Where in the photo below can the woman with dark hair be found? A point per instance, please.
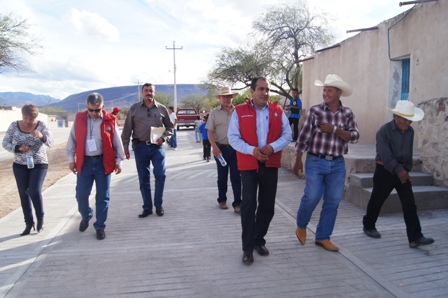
(26, 139)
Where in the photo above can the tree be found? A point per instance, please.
(281, 38)
(194, 101)
(15, 40)
(164, 98)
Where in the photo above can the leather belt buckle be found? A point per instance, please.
(329, 157)
(148, 142)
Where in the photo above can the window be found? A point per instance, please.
(405, 74)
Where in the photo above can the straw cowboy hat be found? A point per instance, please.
(333, 80)
(407, 110)
(226, 91)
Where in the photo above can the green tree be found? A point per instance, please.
(15, 42)
(194, 101)
(164, 98)
(281, 38)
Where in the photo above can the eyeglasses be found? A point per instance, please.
(94, 110)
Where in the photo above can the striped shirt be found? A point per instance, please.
(311, 139)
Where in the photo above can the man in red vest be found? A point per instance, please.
(258, 131)
(94, 150)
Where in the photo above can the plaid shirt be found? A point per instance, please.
(311, 139)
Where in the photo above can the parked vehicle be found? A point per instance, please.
(186, 117)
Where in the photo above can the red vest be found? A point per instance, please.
(247, 118)
(107, 135)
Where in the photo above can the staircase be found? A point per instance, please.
(427, 196)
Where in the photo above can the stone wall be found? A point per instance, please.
(433, 139)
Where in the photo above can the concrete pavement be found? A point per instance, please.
(195, 249)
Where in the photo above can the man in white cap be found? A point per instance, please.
(325, 134)
(394, 146)
(217, 127)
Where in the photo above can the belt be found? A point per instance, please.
(327, 157)
(225, 145)
(137, 141)
(93, 156)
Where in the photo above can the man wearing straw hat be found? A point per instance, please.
(394, 146)
(325, 134)
(217, 127)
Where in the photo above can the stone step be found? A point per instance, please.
(426, 198)
(365, 179)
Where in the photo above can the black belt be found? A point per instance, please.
(137, 141)
(327, 157)
(93, 156)
(225, 145)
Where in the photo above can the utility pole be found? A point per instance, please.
(138, 89)
(174, 56)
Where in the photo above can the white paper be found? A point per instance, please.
(156, 132)
(91, 145)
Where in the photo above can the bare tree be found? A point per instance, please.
(281, 38)
(15, 41)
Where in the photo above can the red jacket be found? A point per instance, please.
(247, 118)
(107, 134)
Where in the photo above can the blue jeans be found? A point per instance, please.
(29, 184)
(93, 171)
(173, 140)
(144, 156)
(197, 134)
(323, 178)
(229, 155)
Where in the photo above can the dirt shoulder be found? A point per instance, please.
(9, 197)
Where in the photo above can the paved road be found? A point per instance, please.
(195, 249)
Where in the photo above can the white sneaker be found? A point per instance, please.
(175, 149)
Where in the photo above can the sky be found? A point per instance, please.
(93, 44)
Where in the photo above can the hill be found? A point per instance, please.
(19, 99)
(125, 96)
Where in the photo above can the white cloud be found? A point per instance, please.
(92, 24)
(90, 45)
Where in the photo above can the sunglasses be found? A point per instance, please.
(94, 110)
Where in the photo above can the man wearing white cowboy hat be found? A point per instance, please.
(325, 134)
(217, 127)
(394, 145)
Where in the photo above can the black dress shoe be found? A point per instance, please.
(421, 241)
(83, 225)
(248, 258)
(145, 213)
(100, 234)
(262, 250)
(372, 233)
(160, 211)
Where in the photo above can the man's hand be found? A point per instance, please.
(404, 176)
(117, 169)
(126, 153)
(215, 150)
(267, 150)
(160, 141)
(260, 155)
(326, 128)
(72, 167)
(298, 168)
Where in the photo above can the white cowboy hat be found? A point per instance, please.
(333, 80)
(226, 91)
(407, 110)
